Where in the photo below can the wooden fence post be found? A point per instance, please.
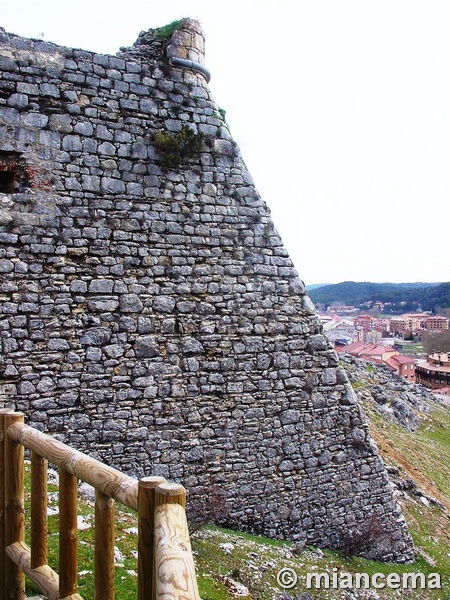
(39, 533)
(170, 493)
(104, 547)
(14, 506)
(68, 534)
(175, 575)
(146, 533)
(3, 411)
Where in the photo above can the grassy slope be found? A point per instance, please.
(423, 456)
(254, 562)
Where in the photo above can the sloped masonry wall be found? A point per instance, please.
(152, 316)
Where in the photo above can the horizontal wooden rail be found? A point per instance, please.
(44, 577)
(108, 480)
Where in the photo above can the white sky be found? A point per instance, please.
(341, 109)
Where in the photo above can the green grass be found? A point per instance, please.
(425, 451)
(254, 561)
(255, 564)
(413, 348)
(166, 31)
(356, 385)
(125, 573)
(423, 456)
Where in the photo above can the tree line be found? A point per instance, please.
(397, 297)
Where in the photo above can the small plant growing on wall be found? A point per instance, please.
(176, 149)
(167, 30)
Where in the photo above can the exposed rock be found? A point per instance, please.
(392, 396)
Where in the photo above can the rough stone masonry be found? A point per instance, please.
(149, 312)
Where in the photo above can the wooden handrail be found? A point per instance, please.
(165, 562)
(108, 480)
(44, 577)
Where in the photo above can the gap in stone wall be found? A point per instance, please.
(13, 174)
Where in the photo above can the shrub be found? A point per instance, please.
(360, 540)
(176, 149)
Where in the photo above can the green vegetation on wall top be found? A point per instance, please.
(166, 31)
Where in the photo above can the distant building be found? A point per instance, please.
(414, 322)
(398, 325)
(405, 324)
(342, 309)
(381, 325)
(329, 322)
(434, 372)
(337, 329)
(390, 341)
(404, 366)
(370, 329)
(436, 323)
(371, 352)
(363, 321)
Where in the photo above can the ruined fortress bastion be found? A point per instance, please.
(149, 312)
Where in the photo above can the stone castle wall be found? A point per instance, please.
(151, 316)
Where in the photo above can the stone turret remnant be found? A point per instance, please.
(149, 312)
(188, 42)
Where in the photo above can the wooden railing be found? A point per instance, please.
(165, 563)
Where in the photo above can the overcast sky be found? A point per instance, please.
(341, 109)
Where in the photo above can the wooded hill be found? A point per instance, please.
(396, 297)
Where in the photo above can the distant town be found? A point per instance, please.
(409, 344)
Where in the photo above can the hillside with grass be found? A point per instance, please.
(412, 431)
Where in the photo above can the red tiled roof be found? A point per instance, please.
(403, 360)
(398, 360)
(363, 349)
(377, 350)
(354, 347)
